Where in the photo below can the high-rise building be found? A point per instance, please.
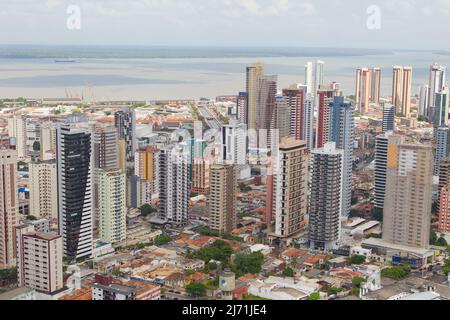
(254, 74)
(388, 117)
(442, 148)
(281, 118)
(444, 173)
(145, 163)
(309, 78)
(17, 131)
(441, 109)
(381, 157)
(174, 185)
(122, 154)
(444, 196)
(43, 189)
(222, 198)
(407, 203)
(436, 82)
(261, 90)
(112, 205)
(406, 92)
(242, 107)
(325, 204)
(201, 176)
(325, 96)
(33, 135)
(290, 187)
(397, 87)
(9, 207)
(401, 90)
(125, 123)
(105, 147)
(48, 141)
(39, 260)
(308, 122)
(342, 133)
(444, 210)
(267, 88)
(375, 85)
(323, 124)
(318, 75)
(74, 168)
(423, 101)
(234, 143)
(295, 98)
(363, 89)
(105, 155)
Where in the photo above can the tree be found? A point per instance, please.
(248, 263)
(8, 274)
(441, 242)
(314, 296)
(147, 209)
(244, 188)
(433, 238)
(31, 218)
(36, 146)
(446, 268)
(357, 259)
(377, 214)
(422, 118)
(205, 231)
(162, 239)
(358, 281)
(288, 272)
(188, 272)
(210, 266)
(219, 251)
(334, 290)
(396, 272)
(354, 292)
(355, 213)
(195, 289)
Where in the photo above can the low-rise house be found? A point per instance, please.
(21, 293)
(277, 288)
(145, 290)
(293, 254)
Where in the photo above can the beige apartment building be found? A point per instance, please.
(290, 192)
(9, 211)
(43, 189)
(39, 260)
(112, 205)
(222, 199)
(48, 141)
(407, 204)
(200, 176)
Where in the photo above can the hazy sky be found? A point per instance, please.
(405, 24)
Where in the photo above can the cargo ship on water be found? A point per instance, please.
(65, 61)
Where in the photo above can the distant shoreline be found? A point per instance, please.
(161, 52)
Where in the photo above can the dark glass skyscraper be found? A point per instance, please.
(74, 167)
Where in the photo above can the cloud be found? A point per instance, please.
(227, 22)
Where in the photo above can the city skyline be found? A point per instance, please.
(218, 171)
